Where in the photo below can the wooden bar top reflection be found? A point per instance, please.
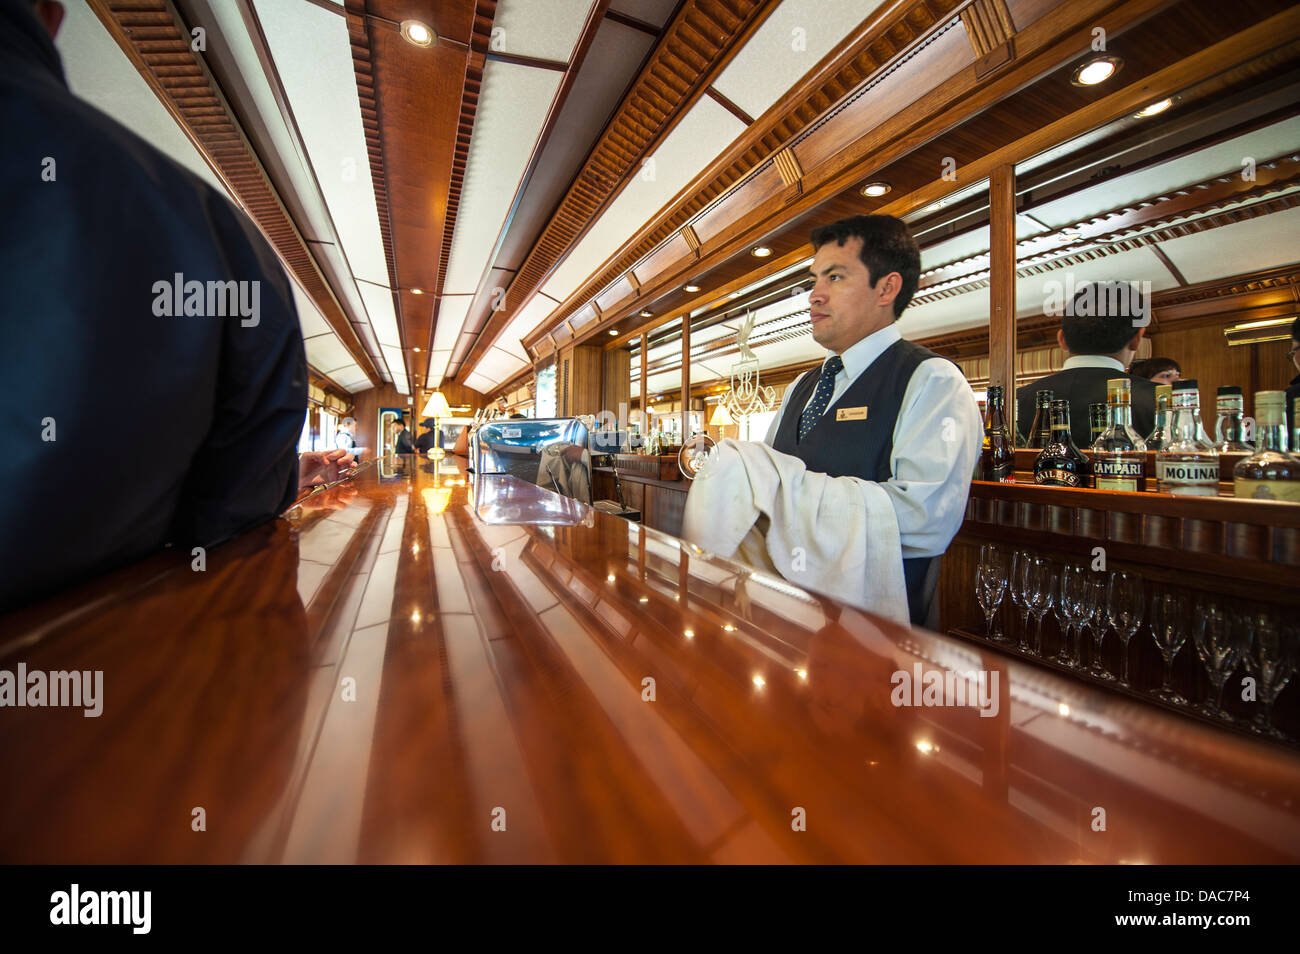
(413, 668)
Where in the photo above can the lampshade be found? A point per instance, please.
(436, 406)
(721, 417)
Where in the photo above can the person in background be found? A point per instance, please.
(345, 434)
(1293, 389)
(1156, 370)
(402, 438)
(208, 410)
(1100, 332)
(427, 440)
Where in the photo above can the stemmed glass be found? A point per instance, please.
(1097, 603)
(1040, 594)
(1272, 660)
(1073, 608)
(991, 585)
(1169, 627)
(1220, 642)
(1124, 603)
(1021, 593)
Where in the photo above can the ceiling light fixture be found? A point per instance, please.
(761, 251)
(734, 295)
(613, 331)
(417, 291)
(416, 350)
(874, 190)
(691, 288)
(417, 33)
(1155, 108)
(646, 314)
(1096, 71)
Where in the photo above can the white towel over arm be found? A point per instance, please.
(832, 535)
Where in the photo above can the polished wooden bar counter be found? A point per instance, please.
(413, 667)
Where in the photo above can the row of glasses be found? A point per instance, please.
(1225, 635)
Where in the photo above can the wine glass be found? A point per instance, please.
(695, 456)
(1073, 607)
(1021, 593)
(1097, 604)
(1169, 627)
(1220, 640)
(1272, 660)
(1124, 603)
(991, 585)
(1040, 587)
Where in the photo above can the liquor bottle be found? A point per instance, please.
(1041, 429)
(1118, 454)
(1270, 473)
(998, 458)
(1228, 429)
(1159, 435)
(1096, 421)
(1061, 463)
(1186, 465)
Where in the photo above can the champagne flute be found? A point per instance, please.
(991, 585)
(1097, 603)
(1021, 593)
(1041, 587)
(1073, 600)
(1219, 643)
(1124, 602)
(1272, 660)
(1169, 627)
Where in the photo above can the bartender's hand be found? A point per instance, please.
(324, 467)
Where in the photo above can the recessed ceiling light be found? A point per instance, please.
(613, 331)
(876, 189)
(415, 349)
(761, 251)
(734, 295)
(1155, 108)
(935, 206)
(417, 291)
(417, 33)
(646, 314)
(691, 288)
(1096, 71)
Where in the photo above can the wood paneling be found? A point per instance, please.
(616, 386)
(1002, 285)
(578, 380)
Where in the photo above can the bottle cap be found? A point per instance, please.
(995, 391)
(1044, 396)
(1118, 390)
(1185, 384)
(1229, 389)
(1273, 399)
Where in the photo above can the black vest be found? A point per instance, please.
(860, 448)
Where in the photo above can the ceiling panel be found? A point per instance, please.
(1264, 242)
(326, 354)
(309, 317)
(512, 108)
(654, 12)
(499, 365)
(394, 358)
(437, 367)
(703, 132)
(313, 56)
(451, 315)
(351, 377)
(480, 382)
(792, 40)
(544, 29)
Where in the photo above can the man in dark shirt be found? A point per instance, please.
(427, 440)
(1100, 331)
(402, 438)
(132, 289)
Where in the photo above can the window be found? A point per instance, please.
(304, 439)
(545, 406)
(325, 436)
(753, 427)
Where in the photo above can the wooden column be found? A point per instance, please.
(686, 377)
(1002, 285)
(645, 390)
(616, 386)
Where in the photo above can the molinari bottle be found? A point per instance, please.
(1096, 421)
(998, 458)
(1186, 465)
(1118, 454)
(1061, 464)
(1041, 429)
(1229, 437)
(1270, 473)
(1160, 433)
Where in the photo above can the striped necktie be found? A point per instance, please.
(821, 398)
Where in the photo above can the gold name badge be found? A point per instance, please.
(850, 414)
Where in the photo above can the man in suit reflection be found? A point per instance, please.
(427, 440)
(1101, 328)
(402, 438)
(210, 406)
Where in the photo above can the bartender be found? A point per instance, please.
(863, 477)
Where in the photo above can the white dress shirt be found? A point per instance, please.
(937, 441)
(1092, 361)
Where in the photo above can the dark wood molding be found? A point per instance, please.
(729, 106)
(630, 21)
(1169, 266)
(530, 61)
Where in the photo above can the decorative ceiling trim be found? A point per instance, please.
(158, 43)
(690, 52)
